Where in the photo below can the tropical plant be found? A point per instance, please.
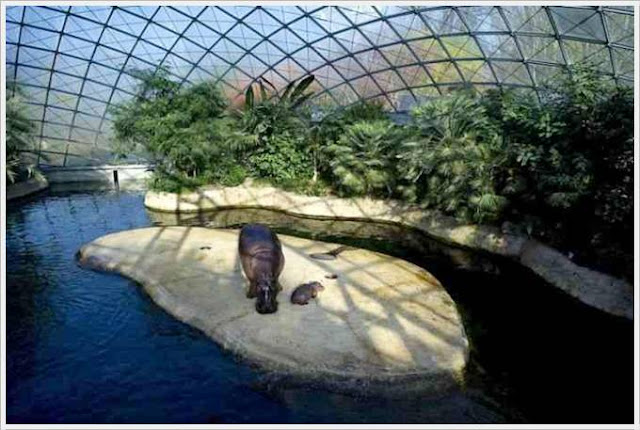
(272, 113)
(19, 140)
(282, 159)
(184, 130)
(453, 162)
(569, 161)
(280, 129)
(331, 126)
(362, 160)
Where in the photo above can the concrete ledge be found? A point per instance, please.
(596, 289)
(382, 325)
(28, 187)
(105, 173)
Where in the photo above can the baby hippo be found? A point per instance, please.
(305, 292)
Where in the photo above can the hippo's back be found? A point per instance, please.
(258, 237)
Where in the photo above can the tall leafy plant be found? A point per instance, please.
(332, 126)
(184, 130)
(272, 113)
(362, 160)
(453, 162)
(19, 138)
(280, 129)
(569, 163)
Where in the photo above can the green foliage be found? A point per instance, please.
(332, 126)
(559, 167)
(280, 130)
(273, 114)
(452, 164)
(184, 131)
(362, 160)
(19, 138)
(282, 159)
(539, 154)
(333, 123)
(226, 174)
(570, 162)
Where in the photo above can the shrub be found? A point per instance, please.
(273, 113)
(362, 160)
(453, 163)
(280, 130)
(332, 126)
(19, 139)
(183, 130)
(283, 158)
(570, 163)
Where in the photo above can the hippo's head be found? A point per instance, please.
(266, 291)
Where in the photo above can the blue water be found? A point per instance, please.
(89, 347)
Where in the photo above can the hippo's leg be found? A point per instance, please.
(251, 292)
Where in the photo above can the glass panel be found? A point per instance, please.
(172, 20)
(66, 83)
(44, 17)
(379, 33)
(483, 19)
(389, 80)
(597, 55)
(399, 54)
(428, 50)
(415, 76)
(511, 73)
(443, 72)
(39, 38)
(476, 71)
(461, 47)
(543, 75)
(14, 13)
(386, 51)
(77, 47)
(531, 19)
(542, 49)
(410, 27)
(623, 62)
(33, 76)
(444, 21)
(620, 28)
(118, 40)
(578, 22)
(83, 28)
(80, 135)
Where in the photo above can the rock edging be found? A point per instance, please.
(602, 291)
(26, 188)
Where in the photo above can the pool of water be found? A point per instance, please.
(89, 347)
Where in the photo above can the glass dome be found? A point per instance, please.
(74, 62)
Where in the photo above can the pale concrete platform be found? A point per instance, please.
(600, 290)
(383, 323)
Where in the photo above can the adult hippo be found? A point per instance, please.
(262, 261)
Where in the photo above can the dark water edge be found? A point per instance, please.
(88, 347)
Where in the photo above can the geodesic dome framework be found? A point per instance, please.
(75, 61)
